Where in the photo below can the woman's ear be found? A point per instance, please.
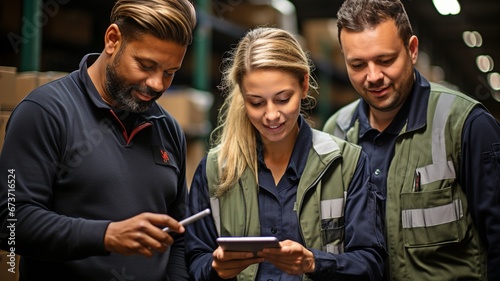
(305, 86)
(112, 39)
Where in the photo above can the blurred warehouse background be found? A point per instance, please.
(459, 50)
(41, 40)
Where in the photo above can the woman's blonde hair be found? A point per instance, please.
(171, 20)
(235, 137)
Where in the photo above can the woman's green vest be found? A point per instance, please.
(430, 234)
(331, 163)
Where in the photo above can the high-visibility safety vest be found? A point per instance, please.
(331, 163)
(430, 234)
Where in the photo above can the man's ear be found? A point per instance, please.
(413, 48)
(112, 39)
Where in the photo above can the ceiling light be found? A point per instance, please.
(485, 63)
(447, 7)
(494, 80)
(479, 38)
(472, 39)
(496, 95)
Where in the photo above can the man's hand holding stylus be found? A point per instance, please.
(141, 235)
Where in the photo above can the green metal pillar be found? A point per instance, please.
(32, 22)
(202, 45)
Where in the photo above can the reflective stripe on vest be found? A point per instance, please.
(344, 119)
(432, 216)
(335, 249)
(323, 143)
(214, 204)
(440, 168)
(334, 209)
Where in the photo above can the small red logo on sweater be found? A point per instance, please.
(164, 155)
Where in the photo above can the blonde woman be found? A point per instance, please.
(270, 174)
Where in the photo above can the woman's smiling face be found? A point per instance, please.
(272, 102)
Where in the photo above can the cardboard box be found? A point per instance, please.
(4, 117)
(276, 13)
(8, 267)
(196, 150)
(15, 86)
(49, 76)
(7, 87)
(321, 36)
(249, 15)
(190, 108)
(25, 83)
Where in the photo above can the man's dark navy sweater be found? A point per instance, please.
(76, 170)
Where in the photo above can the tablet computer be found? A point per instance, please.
(247, 244)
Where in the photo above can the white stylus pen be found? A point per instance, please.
(191, 219)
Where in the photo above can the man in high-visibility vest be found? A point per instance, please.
(434, 151)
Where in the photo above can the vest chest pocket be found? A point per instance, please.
(332, 225)
(432, 218)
